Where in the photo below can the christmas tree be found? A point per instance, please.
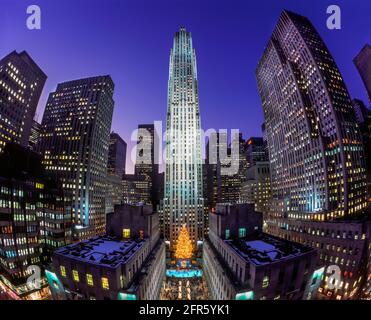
(184, 245)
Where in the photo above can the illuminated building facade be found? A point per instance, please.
(183, 202)
(242, 263)
(33, 221)
(135, 189)
(226, 169)
(363, 64)
(74, 143)
(21, 84)
(317, 162)
(256, 187)
(368, 156)
(111, 267)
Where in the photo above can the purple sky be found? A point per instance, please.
(131, 41)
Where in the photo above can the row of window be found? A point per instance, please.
(89, 278)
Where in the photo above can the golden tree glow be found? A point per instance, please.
(184, 247)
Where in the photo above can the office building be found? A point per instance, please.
(317, 162)
(21, 84)
(242, 263)
(256, 188)
(126, 264)
(33, 222)
(363, 64)
(146, 166)
(74, 143)
(115, 171)
(116, 155)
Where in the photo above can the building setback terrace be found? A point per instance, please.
(265, 249)
(102, 250)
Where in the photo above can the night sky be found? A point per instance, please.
(131, 41)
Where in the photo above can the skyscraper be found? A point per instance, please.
(115, 171)
(183, 202)
(33, 223)
(74, 143)
(255, 150)
(21, 84)
(363, 65)
(116, 155)
(146, 166)
(317, 162)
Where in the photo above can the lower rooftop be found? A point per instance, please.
(102, 250)
(263, 248)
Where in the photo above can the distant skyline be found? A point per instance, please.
(131, 41)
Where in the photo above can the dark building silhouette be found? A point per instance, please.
(116, 155)
(363, 64)
(115, 171)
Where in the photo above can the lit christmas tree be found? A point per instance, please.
(184, 247)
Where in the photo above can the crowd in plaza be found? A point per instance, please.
(184, 289)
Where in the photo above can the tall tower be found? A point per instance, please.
(317, 162)
(183, 201)
(315, 147)
(75, 142)
(21, 84)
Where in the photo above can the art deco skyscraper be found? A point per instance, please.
(21, 84)
(74, 143)
(317, 163)
(183, 202)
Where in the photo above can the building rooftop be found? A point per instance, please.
(102, 250)
(263, 249)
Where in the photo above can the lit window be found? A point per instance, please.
(242, 232)
(141, 234)
(63, 271)
(89, 279)
(126, 233)
(227, 233)
(39, 186)
(105, 284)
(265, 282)
(75, 275)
